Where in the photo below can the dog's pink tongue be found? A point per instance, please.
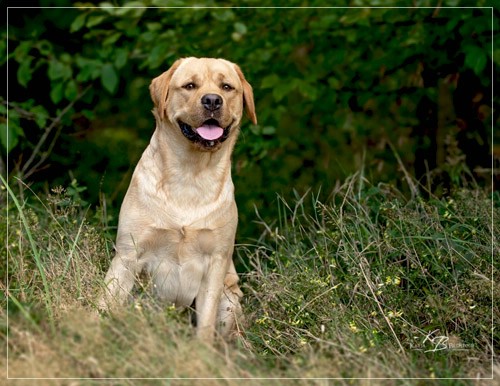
(210, 132)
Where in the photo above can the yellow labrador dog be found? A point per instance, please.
(178, 219)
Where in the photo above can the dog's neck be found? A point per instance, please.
(184, 157)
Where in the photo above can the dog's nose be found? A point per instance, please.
(211, 102)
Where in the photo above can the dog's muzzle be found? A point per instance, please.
(208, 135)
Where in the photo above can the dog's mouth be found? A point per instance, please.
(209, 134)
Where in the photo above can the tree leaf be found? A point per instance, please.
(89, 68)
(45, 47)
(89, 114)
(71, 90)
(475, 58)
(94, 20)
(158, 54)
(3, 136)
(41, 116)
(112, 38)
(270, 81)
(58, 70)
(268, 130)
(240, 28)
(334, 83)
(9, 135)
(121, 58)
(223, 15)
(56, 93)
(107, 7)
(22, 50)
(24, 72)
(109, 78)
(78, 23)
(282, 89)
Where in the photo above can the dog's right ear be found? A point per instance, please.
(159, 90)
(247, 95)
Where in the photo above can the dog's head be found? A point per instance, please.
(203, 100)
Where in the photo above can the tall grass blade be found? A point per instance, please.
(35, 252)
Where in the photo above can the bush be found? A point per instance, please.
(334, 89)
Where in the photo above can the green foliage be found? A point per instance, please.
(333, 88)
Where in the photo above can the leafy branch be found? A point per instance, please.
(27, 169)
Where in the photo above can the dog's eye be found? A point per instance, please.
(227, 87)
(189, 86)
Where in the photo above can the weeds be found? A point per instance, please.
(370, 271)
(366, 284)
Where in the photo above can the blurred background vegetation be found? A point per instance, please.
(337, 90)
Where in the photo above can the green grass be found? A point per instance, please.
(366, 284)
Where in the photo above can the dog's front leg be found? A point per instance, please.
(119, 280)
(230, 313)
(208, 299)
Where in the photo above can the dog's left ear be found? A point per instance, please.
(159, 89)
(247, 96)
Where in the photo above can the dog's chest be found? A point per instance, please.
(180, 244)
(177, 259)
